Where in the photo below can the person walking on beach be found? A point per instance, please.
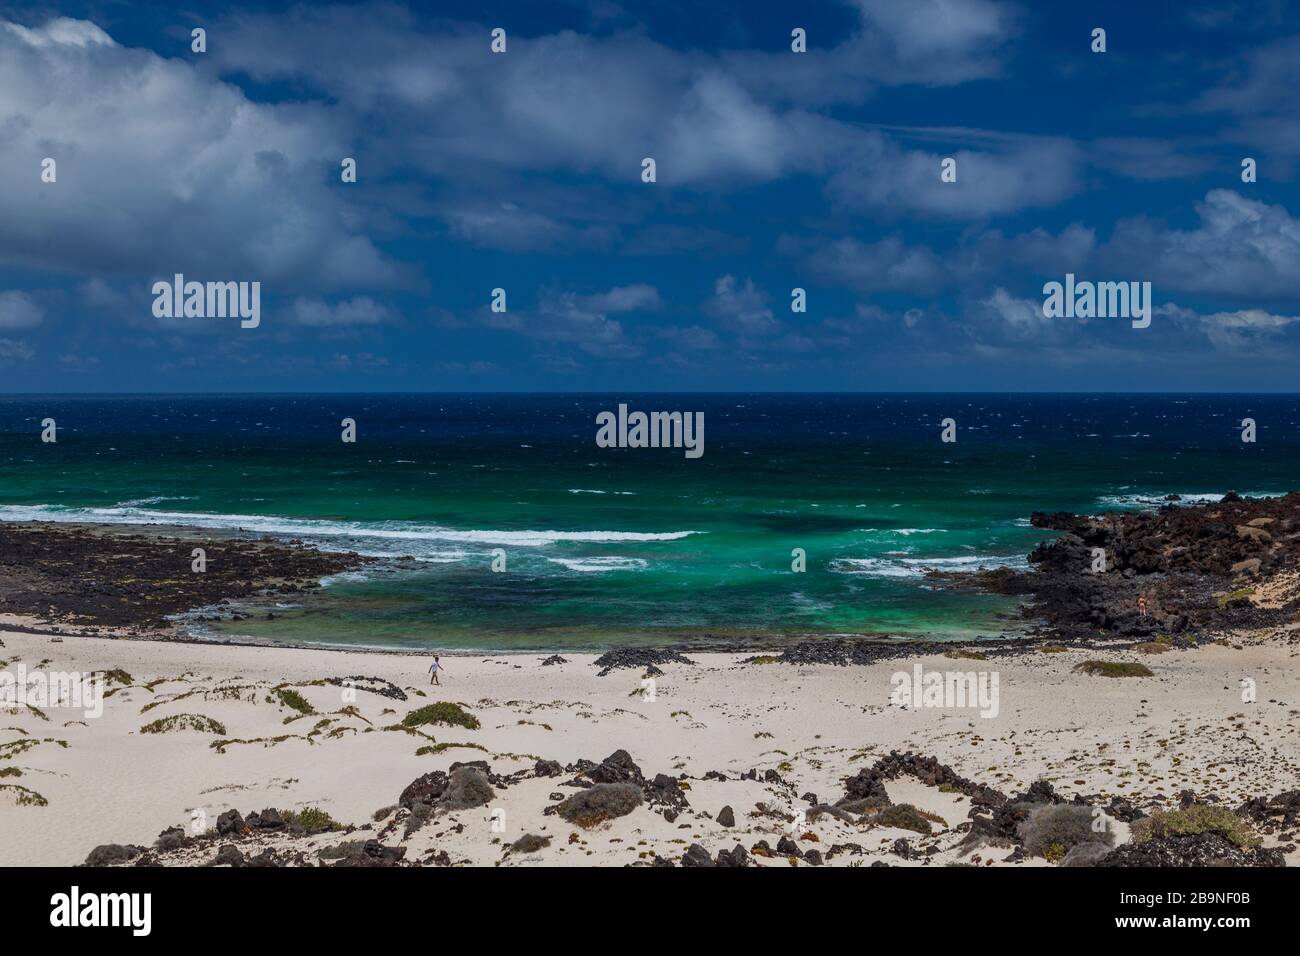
(433, 669)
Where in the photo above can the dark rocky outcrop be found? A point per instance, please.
(1195, 849)
(371, 853)
(112, 854)
(123, 578)
(1194, 566)
(638, 657)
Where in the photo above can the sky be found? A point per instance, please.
(522, 171)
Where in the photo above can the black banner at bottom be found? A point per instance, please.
(337, 905)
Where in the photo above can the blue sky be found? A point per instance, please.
(775, 170)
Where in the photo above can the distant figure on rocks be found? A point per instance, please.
(1142, 604)
(433, 669)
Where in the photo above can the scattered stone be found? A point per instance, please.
(173, 838)
(372, 853)
(228, 855)
(733, 858)
(696, 855)
(112, 854)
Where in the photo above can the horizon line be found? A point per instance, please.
(635, 391)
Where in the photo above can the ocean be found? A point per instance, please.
(613, 546)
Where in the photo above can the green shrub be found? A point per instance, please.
(904, 816)
(312, 819)
(165, 725)
(1198, 818)
(439, 748)
(601, 802)
(290, 698)
(1053, 830)
(444, 712)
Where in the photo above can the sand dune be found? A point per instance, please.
(105, 781)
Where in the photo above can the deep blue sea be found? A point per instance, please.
(607, 546)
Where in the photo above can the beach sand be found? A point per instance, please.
(1144, 739)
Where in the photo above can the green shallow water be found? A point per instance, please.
(611, 546)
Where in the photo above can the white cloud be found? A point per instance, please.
(1242, 248)
(742, 308)
(598, 104)
(164, 168)
(18, 310)
(13, 351)
(1240, 330)
(61, 31)
(582, 320)
(359, 310)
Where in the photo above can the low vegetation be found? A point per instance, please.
(443, 712)
(1114, 669)
(288, 697)
(312, 819)
(167, 725)
(22, 796)
(601, 802)
(1053, 830)
(1198, 818)
(906, 817)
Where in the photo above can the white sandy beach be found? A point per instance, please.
(1140, 738)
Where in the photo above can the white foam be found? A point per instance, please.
(599, 565)
(376, 539)
(1157, 500)
(918, 567)
(872, 568)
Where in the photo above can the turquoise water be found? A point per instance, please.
(604, 546)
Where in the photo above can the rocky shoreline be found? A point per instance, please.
(1200, 570)
(131, 581)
